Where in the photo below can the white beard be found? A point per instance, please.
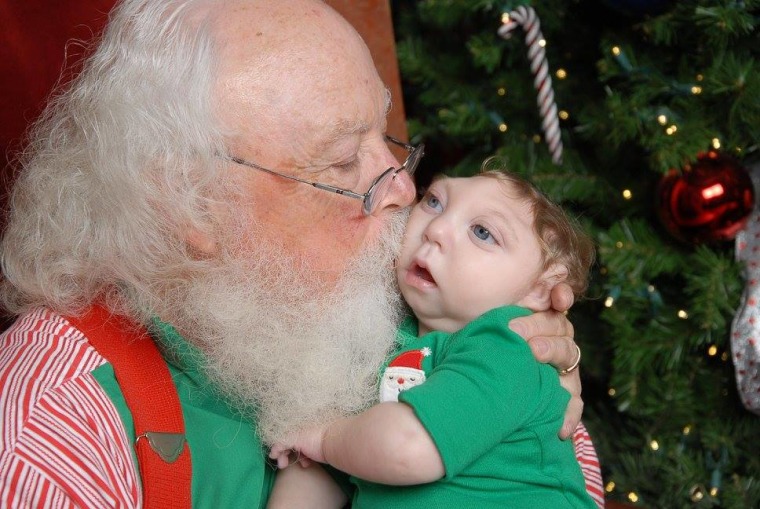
(282, 346)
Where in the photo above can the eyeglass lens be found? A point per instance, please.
(383, 184)
(379, 190)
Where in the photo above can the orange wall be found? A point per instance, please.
(372, 19)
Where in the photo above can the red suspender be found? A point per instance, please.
(145, 381)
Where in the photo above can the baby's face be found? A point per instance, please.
(469, 247)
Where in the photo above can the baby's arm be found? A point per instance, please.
(386, 444)
(306, 487)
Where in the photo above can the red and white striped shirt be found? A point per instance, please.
(592, 473)
(62, 442)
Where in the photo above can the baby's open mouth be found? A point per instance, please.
(422, 273)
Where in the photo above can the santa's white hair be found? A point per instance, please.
(121, 165)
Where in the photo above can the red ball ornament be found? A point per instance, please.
(707, 201)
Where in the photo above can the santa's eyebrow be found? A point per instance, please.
(388, 101)
(341, 128)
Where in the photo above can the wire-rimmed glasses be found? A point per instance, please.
(377, 190)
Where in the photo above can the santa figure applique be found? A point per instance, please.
(402, 373)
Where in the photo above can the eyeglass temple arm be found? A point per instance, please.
(334, 189)
(325, 187)
(400, 143)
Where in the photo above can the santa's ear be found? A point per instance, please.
(539, 296)
(201, 242)
(203, 238)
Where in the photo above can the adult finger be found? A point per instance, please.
(562, 297)
(543, 324)
(550, 336)
(571, 382)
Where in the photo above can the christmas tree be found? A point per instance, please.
(658, 104)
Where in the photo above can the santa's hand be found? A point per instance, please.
(550, 336)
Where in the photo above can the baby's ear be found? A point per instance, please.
(539, 296)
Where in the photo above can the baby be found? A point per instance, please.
(466, 414)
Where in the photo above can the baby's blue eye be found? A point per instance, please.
(432, 201)
(481, 232)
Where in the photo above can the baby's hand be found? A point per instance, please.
(302, 447)
(285, 456)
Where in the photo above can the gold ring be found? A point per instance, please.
(575, 364)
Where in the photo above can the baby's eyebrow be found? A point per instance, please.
(503, 222)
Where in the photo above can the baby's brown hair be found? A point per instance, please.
(562, 239)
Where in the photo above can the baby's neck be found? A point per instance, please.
(422, 329)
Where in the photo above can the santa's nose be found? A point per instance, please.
(400, 380)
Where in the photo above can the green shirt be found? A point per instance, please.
(493, 412)
(229, 467)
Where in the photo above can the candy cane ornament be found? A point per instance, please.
(526, 17)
